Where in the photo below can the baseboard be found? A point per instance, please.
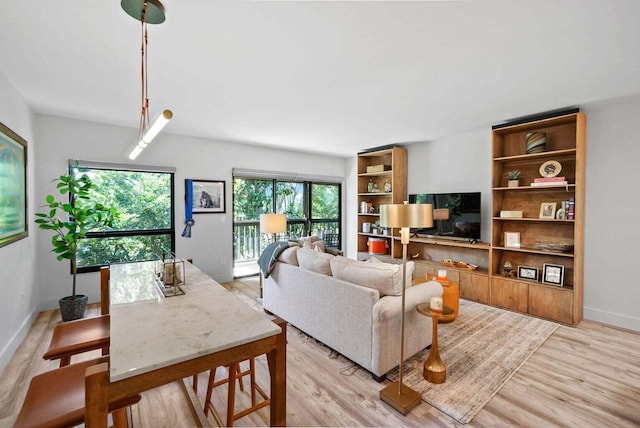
(17, 339)
(612, 318)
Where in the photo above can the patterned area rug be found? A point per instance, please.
(481, 350)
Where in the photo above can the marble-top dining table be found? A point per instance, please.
(156, 340)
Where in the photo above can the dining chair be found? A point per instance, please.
(235, 373)
(57, 399)
(83, 335)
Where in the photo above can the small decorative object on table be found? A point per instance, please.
(436, 304)
(170, 274)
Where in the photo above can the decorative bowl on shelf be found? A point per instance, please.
(459, 264)
(561, 247)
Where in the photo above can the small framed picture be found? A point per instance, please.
(528, 273)
(548, 210)
(512, 239)
(206, 196)
(553, 274)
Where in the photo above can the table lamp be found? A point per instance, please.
(405, 216)
(272, 224)
(441, 214)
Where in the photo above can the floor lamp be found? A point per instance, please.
(405, 216)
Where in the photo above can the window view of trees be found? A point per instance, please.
(311, 208)
(145, 226)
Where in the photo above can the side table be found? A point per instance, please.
(434, 370)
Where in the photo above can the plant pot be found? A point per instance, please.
(73, 307)
(513, 183)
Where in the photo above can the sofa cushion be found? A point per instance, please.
(290, 255)
(315, 245)
(410, 268)
(384, 277)
(315, 261)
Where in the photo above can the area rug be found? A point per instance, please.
(481, 350)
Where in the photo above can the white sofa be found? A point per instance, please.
(352, 319)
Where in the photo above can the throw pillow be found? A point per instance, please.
(314, 261)
(290, 255)
(316, 245)
(384, 277)
(410, 268)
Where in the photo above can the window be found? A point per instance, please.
(144, 197)
(312, 208)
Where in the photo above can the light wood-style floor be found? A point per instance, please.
(587, 376)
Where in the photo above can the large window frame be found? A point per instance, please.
(84, 166)
(248, 242)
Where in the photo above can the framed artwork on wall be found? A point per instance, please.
(208, 196)
(13, 187)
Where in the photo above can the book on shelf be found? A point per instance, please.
(548, 179)
(549, 183)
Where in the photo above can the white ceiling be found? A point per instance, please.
(334, 77)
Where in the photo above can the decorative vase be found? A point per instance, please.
(513, 183)
(73, 307)
(536, 142)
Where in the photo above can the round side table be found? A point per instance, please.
(434, 370)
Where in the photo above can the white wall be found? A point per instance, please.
(211, 243)
(612, 230)
(19, 301)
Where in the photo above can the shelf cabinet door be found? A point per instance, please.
(510, 294)
(474, 287)
(550, 303)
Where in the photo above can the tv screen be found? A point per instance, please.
(455, 215)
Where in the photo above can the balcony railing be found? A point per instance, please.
(248, 242)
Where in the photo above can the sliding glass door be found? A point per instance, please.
(312, 208)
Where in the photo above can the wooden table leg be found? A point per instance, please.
(434, 370)
(96, 398)
(277, 360)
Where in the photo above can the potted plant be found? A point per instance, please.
(514, 177)
(71, 220)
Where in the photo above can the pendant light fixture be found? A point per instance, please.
(147, 12)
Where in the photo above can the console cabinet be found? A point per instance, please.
(555, 297)
(387, 184)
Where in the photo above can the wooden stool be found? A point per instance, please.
(83, 335)
(56, 398)
(235, 373)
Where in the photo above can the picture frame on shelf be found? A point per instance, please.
(208, 196)
(548, 210)
(553, 274)
(527, 272)
(13, 198)
(512, 239)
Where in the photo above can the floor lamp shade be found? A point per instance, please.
(273, 223)
(405, 216)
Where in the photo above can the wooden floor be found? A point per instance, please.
(581, 377)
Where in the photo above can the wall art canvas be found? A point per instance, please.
(13, 187)
(208, 196)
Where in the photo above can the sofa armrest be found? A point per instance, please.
(389, 307)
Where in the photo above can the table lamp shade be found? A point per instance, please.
(441, 213)
(406, 215)
(273, 223)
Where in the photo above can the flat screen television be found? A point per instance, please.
(455, 215)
